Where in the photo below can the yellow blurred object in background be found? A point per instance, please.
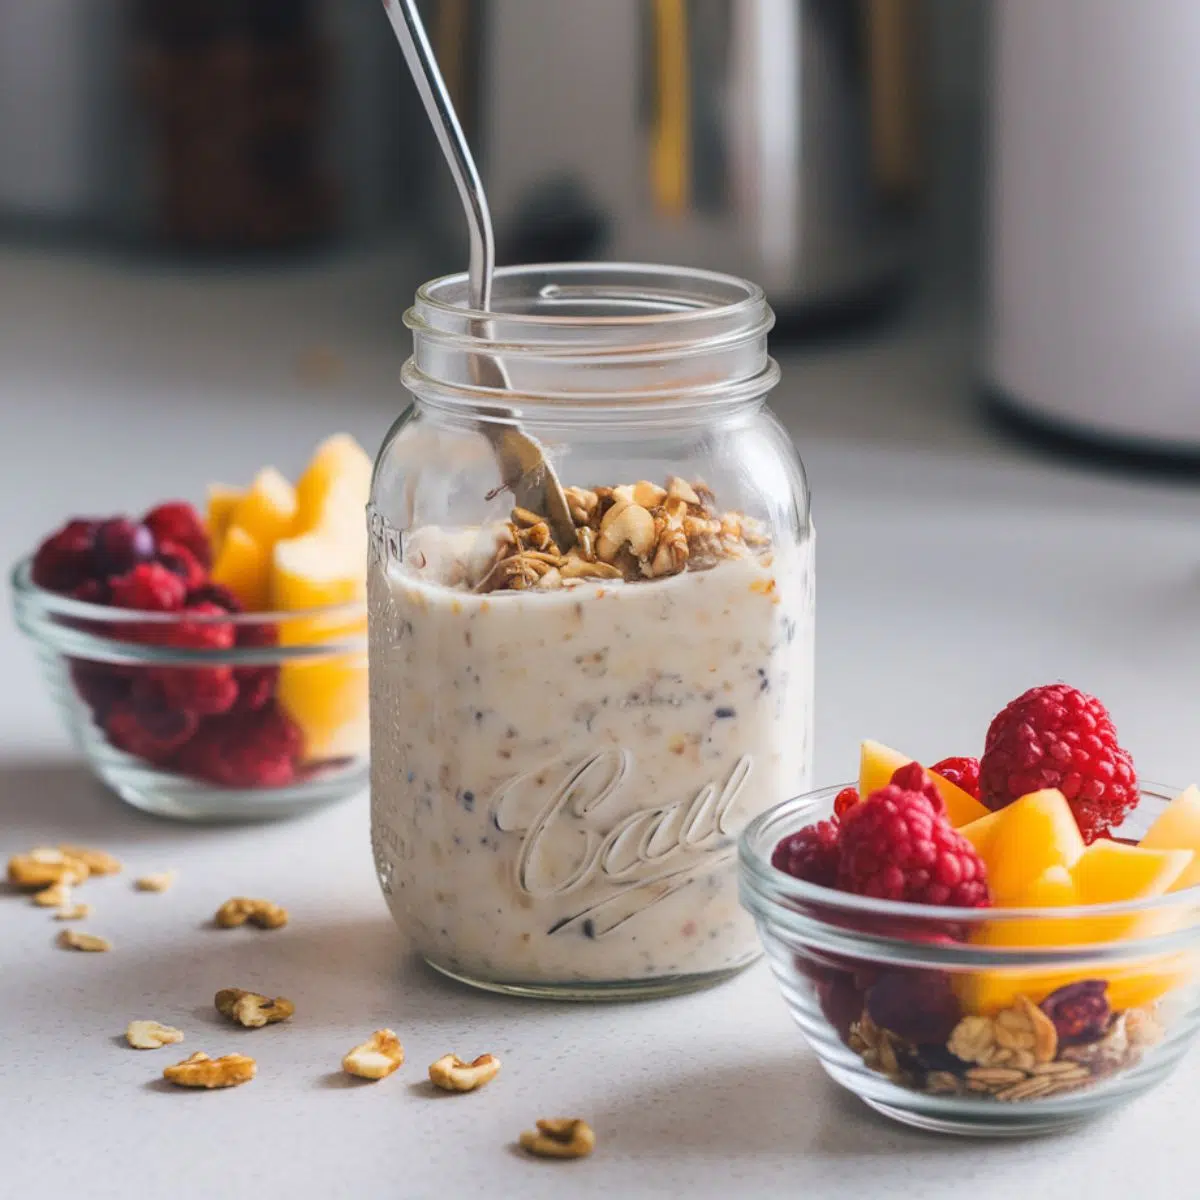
(243, 565)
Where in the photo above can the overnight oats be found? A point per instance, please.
(567, 739)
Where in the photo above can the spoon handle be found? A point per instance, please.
(418, 53)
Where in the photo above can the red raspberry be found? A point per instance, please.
(963, 772)
(178, 559)
(93, 591)
(897, 846)
(201, 690)
(149, 587)
(1058, 737)
(178, 521)
(920, 1006)
(143, 727)
(66, 558)
(100, 685)
(810, 854)
(913, 777)
(244, 749)
(256, 685)
(845, 800)
(215, 593)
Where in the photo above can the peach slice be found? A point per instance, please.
(1020, 842)
(335, 486)
(222, 500)
(1178, 828)
(244, 566)
(267, 511)
(878, 763)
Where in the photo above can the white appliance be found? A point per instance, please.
(1094, 239)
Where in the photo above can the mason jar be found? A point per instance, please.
(571, 723)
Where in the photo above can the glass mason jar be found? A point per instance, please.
(567, 741)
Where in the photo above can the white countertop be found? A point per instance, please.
(954, 572)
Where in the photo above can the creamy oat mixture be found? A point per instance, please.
(560, 771)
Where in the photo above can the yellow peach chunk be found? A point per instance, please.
(222, 500)
(327, 698)
(1109, 872)
(335, 486)
(1023, 840)
(244, 567)
(878, 763)
(1178, 828)
(267, 511)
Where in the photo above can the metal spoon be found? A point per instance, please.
(524, 467)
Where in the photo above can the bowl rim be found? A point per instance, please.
(769, 883)
(56, 604)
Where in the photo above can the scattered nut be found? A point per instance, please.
(1045, 1036)
(98, 862)
(200, 1071)
(632, 526)
(451, 1074)
(241, 909)
(376, 1058)
(74, 912)
(55, 896)
(559, 1137)
(72, 939)
(680, 489)
(44, 866)
(150, 1035)
(251, 1010)
(155, 883)
(647, 494)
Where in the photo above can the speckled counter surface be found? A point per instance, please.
(953, 572)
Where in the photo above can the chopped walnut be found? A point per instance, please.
(57, 895)
(155, 883)
(251, 1010)
(451, 1074)
(201, 1071)
(44, 866)
(376, 1058)
(635, 531)
(72, 939)
(151, 1035)
(241, 909)
(559, 1137)
(98, 862)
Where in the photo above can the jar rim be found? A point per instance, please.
(676, 307)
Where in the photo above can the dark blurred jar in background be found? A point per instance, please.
(234, 103)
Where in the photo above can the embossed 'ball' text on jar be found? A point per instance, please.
(567, 741)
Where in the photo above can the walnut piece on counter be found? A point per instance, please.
(240, 909)
(376, 1058)
(559, 1137)
(251, 1010)
(201, 1071)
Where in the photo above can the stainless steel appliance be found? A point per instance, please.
(774, 139)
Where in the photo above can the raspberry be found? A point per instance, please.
(93, 591)
(201, 690)
(1056, 736)
(178, 521)
(66, 558)
(918, 1005)
(121, 545)
(256, 685)
(244, 749)
(101, 686)
(143, 727)
(913, 777)
(811, 854)
(149, 587)
(179, 560)
(846, 799)
(897, 846)
(215, 593)
(963, 772)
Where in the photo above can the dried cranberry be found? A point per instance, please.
(920, 1006)
(67, 557)
(841, 1001)
(121, 545)
(1080, 1011)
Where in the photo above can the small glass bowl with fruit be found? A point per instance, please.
(215, 668)
(1000, 946)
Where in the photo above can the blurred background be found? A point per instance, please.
(975, 221)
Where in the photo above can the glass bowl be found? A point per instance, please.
(155, 720)
(997, 1022)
